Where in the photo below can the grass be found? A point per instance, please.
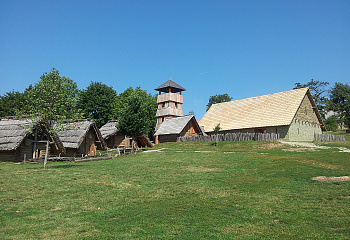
(238, 190)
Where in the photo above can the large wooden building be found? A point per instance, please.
(292, 114)
(17, 144)
(169, 101)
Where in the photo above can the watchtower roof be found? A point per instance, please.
(170, 84)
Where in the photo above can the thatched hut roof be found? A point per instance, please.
(74, 132)
(109, 129)
(176, 125)
(13, 131)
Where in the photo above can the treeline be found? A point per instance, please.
(333, 103)
(57, 98)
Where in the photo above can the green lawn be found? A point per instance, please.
(238, 190)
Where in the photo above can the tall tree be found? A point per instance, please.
(318, 91)
(340, 101)
(11, 103)
(133, 120)
(149, 105)
(218, 98)
(97, 102)
(53, 98)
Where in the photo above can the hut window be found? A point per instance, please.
(175, 105)
(163, 105)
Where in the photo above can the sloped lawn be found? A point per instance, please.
(246, 190)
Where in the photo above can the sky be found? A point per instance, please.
(242, 48)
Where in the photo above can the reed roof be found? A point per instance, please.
(276, 109)
(174, 125)
(13, 131)
(109, 129)
(74, 132)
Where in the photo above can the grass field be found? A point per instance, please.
(238, 190)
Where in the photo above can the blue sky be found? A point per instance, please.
(243, 48)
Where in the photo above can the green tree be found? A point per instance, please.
(11, 103)
(218, 98)
(96, 102)
(318, 91)
(133, 120)
(331, 123)
(52, 98)
(340, 101)
(216, 130)
(149, 104)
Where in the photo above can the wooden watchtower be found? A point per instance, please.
(169, 101)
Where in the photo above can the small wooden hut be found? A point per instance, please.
(79, 136)
(17, 144)
(115, 139)
(173, 128)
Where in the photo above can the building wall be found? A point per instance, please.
(302, 131)
(168, 138)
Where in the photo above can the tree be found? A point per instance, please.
(150, 106)
(218, 98)
(52, 98)
(133, 120)
(216, 130)
(11, 103)
(340, 101)
(331, 123)
(96, 102)
(318, 91)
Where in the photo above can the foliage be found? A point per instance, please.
(120, 102)
(340, 101)
(228, 192)
(148, 108)
(318, 92)
(96, 102)
(331, 123)
(216, 130)
(53, 98)
(11, 103)
(218, 98)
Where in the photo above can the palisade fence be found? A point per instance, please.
(329, 138)
(272, 137)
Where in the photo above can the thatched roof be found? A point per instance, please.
(170, 84)
(175, 125)
(74, 132)
(276, 109)
(13, 131)
(109, 129)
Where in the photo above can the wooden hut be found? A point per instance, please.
(173, 128)
(292, 114)
(114, 139)
(78, 137)
(17, 144)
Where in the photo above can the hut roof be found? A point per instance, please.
(276, 109)
(170, 83)
(109, 129)
(174, 125)
(73, 133)
(13, 131)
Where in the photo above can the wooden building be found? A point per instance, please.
(292, 114)
(169, 101)
(17, 144)
(173, 128)
(114, 139)
(78, 137)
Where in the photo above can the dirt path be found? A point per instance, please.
(313, 146)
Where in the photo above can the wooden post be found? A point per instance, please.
(24, 157)
(47, 151)
(34, 147)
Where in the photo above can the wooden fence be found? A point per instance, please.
(329, 138)
(272, 137)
